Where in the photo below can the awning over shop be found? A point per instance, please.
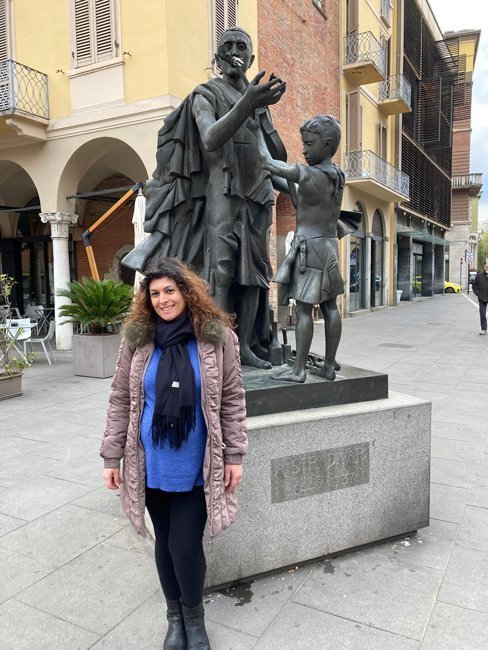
(423, 236)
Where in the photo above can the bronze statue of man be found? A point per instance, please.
(210, 201)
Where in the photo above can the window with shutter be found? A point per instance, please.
(224, 16)
(353, 122)
(94, 31)
(4, 31)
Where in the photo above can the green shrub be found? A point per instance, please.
(98, 305)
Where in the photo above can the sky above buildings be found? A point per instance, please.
(452, 15)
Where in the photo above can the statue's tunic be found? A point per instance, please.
(212, 210)
(310, 272)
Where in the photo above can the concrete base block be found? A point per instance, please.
(326, 480)
(95, 356)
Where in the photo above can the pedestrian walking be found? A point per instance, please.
(480, 288)
(176, 417)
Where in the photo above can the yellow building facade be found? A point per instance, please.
(374, 95)
(84, 88)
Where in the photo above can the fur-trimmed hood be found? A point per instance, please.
(138, 333)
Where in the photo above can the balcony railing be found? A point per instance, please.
(396, 87)
(368, 165)
(23, 90)
(364, 47)
(467, 180)
(386, 11)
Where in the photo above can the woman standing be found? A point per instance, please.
(177, 417)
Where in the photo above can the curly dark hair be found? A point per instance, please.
(200, 305)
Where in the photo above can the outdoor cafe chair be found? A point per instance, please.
(19, 329)
(43, 341)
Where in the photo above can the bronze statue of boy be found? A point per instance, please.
(310, 272)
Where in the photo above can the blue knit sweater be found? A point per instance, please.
(166, 468)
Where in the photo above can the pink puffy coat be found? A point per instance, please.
(223, 405)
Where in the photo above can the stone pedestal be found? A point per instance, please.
(324, 480)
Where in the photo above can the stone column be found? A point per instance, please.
(428, 270)
(367, 271)
(60, 223)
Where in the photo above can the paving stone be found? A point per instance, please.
(454, 628)
(25, 628)
(8, 523)
(377, 591)
(447, 503)
(479, 492)
(252, 606)
(74, 447)
(302, 628)
(430, 547)
(87, 470)
(469, 452)
(62, 535)
(13, 446)
(465, 582)
(38, 497)
(456, 473)
(18, 572)
(128, 539)
(473, 532)
(96, 590)
(103, 500)
(22, 469)
(455, 431)
(483, 469)
(144, 628)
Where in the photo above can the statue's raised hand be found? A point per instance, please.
(265, 94)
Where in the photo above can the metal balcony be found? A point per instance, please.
(23, 91)
(395, 95)
(386, 11)
(375, 176)
(364, 59)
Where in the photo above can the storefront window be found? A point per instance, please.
(357, 269)
(377, 252)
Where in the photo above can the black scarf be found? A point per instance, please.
(174, 410)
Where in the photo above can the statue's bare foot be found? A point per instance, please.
(327, 371)
(248, 358)
(291, 375)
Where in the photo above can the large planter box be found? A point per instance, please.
(95, 356)
(10, 386)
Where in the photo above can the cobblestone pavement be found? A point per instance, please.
(74, 575)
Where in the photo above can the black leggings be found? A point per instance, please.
(179, 519)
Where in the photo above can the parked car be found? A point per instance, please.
(452, 287)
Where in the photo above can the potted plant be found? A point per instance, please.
(99, 306)
(12, 365)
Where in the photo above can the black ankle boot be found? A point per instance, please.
(195, 628)
(176, 635)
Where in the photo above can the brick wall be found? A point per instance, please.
(461, 143)
(116, 232)
(300, 45)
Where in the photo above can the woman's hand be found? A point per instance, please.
(232, 477)
(111, 476)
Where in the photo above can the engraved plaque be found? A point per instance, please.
(293, 477)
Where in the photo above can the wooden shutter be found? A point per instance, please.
(225, 16)
(353, 135)
(352, 17)
(83, 42)
(104, 30)
(4, 49)
(94, 31)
